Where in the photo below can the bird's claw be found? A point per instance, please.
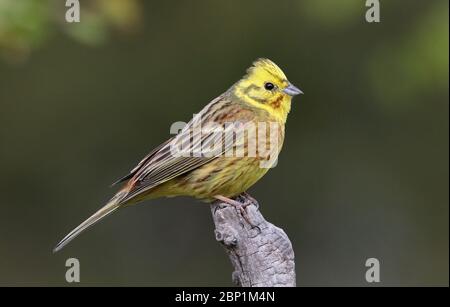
(241, 206)
(250, 200)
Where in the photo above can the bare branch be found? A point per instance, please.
(262, 255)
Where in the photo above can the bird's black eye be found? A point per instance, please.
(269, 86)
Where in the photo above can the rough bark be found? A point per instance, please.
(261, 253)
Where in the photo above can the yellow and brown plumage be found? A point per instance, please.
(262, 96)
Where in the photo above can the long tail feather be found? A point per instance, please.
(109, 208)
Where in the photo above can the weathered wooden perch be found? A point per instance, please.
(262, 256)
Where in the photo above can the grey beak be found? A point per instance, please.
(292, 90)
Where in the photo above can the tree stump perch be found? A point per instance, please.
(261, 253)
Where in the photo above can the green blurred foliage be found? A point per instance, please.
(25, 25)
(18, 36)
(363, 172)
(332, 13)
(417, 63)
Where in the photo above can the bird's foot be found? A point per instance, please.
(241, 206)
(250, 200)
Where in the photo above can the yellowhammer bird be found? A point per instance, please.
(226, 148)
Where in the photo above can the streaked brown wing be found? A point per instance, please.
(162, 165)
(140, 164)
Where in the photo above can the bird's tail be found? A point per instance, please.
(109, 208)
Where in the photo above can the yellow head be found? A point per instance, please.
(266, 87)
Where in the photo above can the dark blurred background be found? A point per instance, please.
(364, 171)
